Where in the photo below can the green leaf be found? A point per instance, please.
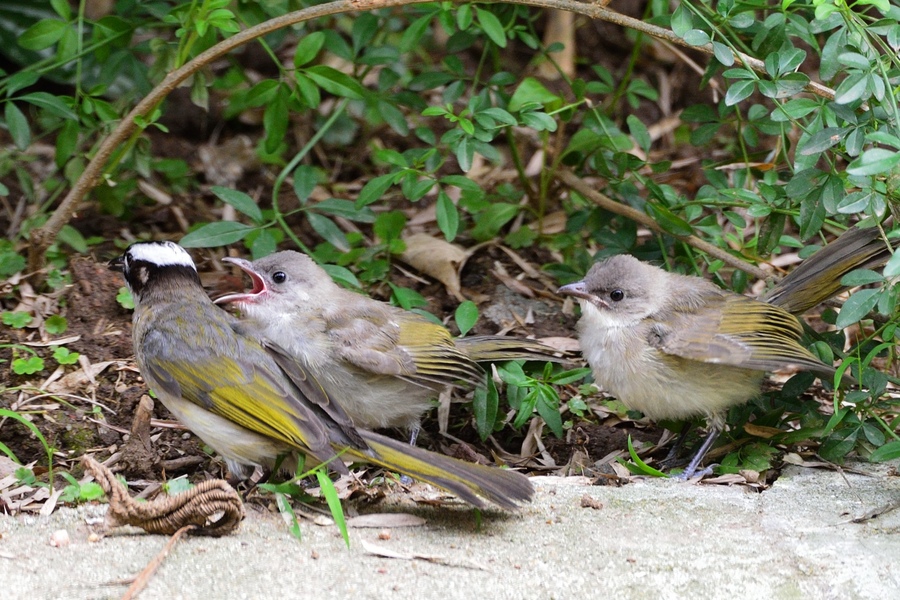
(738, 91)
(857, 306)
(681, 21)
(412, 36)
(822, 140)
(874, 162)
(18, 126)
(466, 316)
(531, 91)
(853, 88)
(62, 8)
(491, 26)
(334, 502)
(889, 451)
(862, 277)
(447, 216)
(240, 201)
(892, 268)
(52, 104)
(334, 82)
(328, 231)
(668, 220)
(548, 407)
(71, 236)
(389, 225)
(639, 132)
(308, 48)
(305, 180)
(56, 324)
(485, 403)
(275, 120)
(28, 366)
(16, 320)
(64, 356)
(125, 299)
(723, 54)
(374, 189)
(216, 234)
(345, 208)
(696, 37)
(42, 34)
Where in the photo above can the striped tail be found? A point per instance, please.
(495, 348)
(469, 481)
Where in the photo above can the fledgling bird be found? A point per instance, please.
(249, 406)
(675, 347)
(384, 364)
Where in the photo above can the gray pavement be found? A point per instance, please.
(648, 539)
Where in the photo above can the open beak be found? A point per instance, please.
(259, 286)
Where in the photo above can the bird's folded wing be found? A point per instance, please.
(313, 391)
(250, 395)
(406, 346)
(735, 330)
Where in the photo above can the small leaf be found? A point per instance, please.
(862, 277)
(447, 216)
(42, 34)
(466, 316)
(738, 91)
(723, 54)
(334, 82)
(874, 162)
(892, 268)
(308, 47)
(240, 201)
(696, 37)
(374, 189)
(305, 180)
(328, 230)
(16, 320)
(531, 91)
(857, 306)
(56, 324)
(889, 451)
(485, 403)
(18, 127)
(491, 26)
(212, 235)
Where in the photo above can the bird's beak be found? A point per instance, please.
(259, 285)
(577, 289)
(117, 264)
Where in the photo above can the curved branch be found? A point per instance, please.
(42, 237)
(605, 202)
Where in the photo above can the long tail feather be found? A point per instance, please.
(469, 481)
(494, 348)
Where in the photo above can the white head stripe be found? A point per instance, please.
(162, 254)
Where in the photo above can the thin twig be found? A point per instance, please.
(583, 188)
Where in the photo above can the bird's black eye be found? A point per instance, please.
(616, 295)
(279, 276)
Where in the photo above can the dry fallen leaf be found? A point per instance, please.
(381, 520)
(436, 258)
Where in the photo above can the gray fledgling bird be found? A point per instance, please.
(384, 364)
(676, 347)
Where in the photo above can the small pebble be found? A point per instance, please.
(59, 538)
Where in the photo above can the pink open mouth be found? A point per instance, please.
(258, 290)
